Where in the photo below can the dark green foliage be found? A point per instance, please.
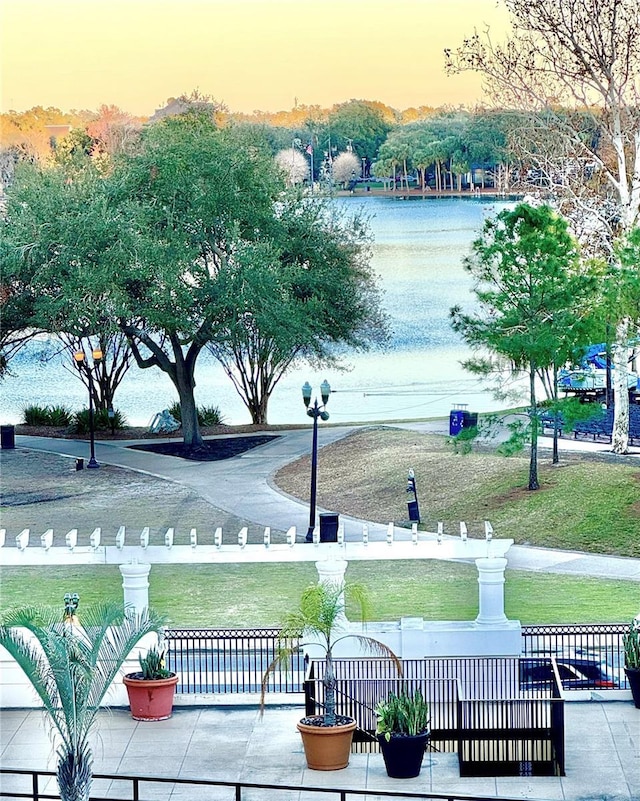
(631, 643)
(402, 714)
(57, 416)
(207, 415)
(534, 305)
(60, 415)
(152, 665)
(36, 415)
(101, 421)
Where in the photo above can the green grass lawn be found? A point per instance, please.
(258, 595)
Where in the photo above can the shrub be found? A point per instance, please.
(47, 415)
(60, 415)
(36, 415)
(101, 421)
(207, 415)
(210, 416)
(175, 411)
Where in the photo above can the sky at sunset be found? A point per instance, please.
(250, 54)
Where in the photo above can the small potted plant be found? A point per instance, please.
(151, 689)
(631, 644)
(402, 729)
(321, 619)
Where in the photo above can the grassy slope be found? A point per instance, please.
(585, 503)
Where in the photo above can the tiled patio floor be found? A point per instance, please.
(236, 744)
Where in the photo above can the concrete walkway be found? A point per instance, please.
(242, 486)
(236, 744)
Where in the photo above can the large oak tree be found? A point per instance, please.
(174, 245)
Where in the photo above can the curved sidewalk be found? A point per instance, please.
(242, 486)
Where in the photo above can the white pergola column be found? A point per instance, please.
(135, 584)
(491, 591)
(332, 571)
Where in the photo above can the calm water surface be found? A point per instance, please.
(418, 251)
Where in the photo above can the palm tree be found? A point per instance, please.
(71, 666)
(321, 618)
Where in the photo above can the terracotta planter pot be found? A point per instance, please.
(327, 747)
(403, 755)
(150, 699)
(633, 674)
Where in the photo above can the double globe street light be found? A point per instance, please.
(80, 359)
(317, 410)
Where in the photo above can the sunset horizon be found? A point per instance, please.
(250, 55)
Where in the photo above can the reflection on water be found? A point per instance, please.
(418, 251)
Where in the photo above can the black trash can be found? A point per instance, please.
(329, 527)
(7, 437)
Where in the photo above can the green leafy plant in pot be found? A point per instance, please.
(631, 645)
(152, 688)
(402, 730)
(320, 621)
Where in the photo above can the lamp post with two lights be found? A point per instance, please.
(80, 359)
(317, 411)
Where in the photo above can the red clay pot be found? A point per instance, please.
(150, 699)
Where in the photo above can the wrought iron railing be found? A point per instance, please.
(229, 661)
(590, 655)
(139, 788)
(233, 661)
(485, 709)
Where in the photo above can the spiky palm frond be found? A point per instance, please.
(71, 666)
(320, 615)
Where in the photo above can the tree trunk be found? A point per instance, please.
(257, 406)
(189, 412)
(556, 457)
(329, 682)
(74, 773)
(620, 432)
(533, 460)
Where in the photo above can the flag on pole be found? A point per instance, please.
(309, 150)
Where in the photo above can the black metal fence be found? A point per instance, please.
(590, 656)
(30, 784)
(229, 661)
(480, 708)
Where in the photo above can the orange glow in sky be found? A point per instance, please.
(250, 54)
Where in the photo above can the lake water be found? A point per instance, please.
(419, 246)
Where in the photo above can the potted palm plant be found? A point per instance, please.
(320, 620)
(151, 689)
(631, 644)
(71, 663)
(402, 730)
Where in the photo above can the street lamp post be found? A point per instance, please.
(80, 358)
(317, 410)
